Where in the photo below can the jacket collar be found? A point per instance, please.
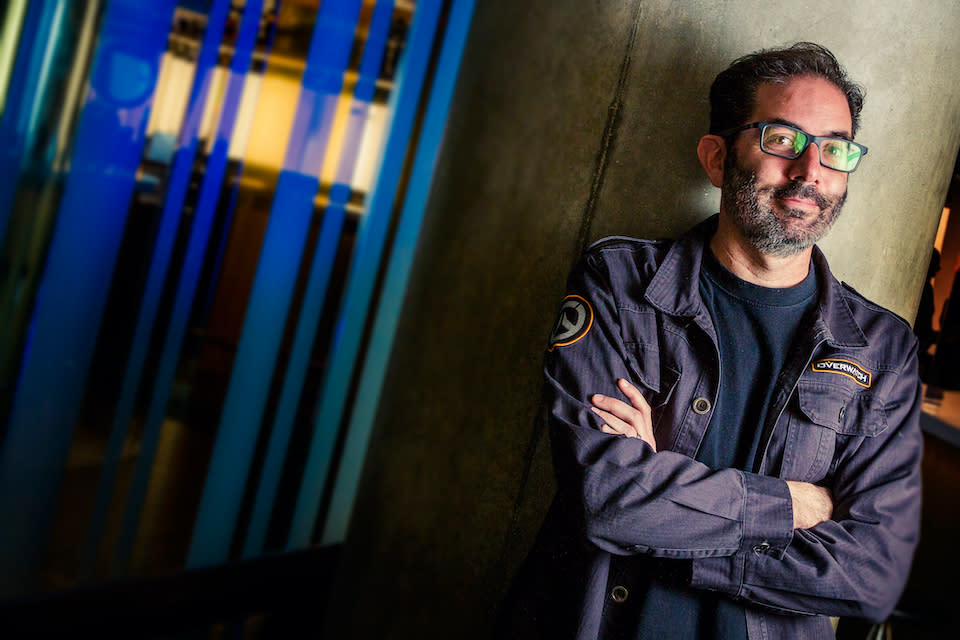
(675, 288)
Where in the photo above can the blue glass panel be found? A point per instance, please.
(398, 271)
(109, 142)
(193, 261)
(274, 282)
(36, 136)
(363, 272)
(166, 235)
(316, 291)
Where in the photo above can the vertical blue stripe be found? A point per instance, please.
(163, 247)
(83, 251)
(187, 286)
(316, 289)
(363, 272)
(398, 272)
(274, 283)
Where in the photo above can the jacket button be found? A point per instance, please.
(701, 406)
(619, 593)
(761, 548)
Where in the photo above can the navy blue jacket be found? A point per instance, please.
(845, 416)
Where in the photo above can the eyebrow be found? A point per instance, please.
(832, 134)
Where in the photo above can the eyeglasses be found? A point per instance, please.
(784, 141)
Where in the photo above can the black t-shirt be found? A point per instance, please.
(755, 330)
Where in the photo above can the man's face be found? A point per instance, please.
(784, 206)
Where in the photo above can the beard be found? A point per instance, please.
(784, 234)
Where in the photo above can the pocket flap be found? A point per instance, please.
(845, 411)
(639, 331)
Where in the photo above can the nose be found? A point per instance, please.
(806, 167)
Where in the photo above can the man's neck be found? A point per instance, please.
(747, 263)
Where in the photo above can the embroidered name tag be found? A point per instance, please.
(576, 318)
(845, 368)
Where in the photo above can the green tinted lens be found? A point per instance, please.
(838, 154)
(783, 141)
(853, 157)
(800, 143)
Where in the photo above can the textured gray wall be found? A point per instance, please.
(574, 120)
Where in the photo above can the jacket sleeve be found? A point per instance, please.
(630, 499)
(857, 563)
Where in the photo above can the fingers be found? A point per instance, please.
(632, 420)
(608, 429)
(621, 409)
(634, 396)
(614, 425)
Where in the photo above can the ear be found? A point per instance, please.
(712, 151)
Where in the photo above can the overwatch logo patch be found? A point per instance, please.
(845, 368)
(576, 318)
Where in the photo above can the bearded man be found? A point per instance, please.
(735, 432)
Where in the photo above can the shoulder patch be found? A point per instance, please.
(575, 321)
(847, 368)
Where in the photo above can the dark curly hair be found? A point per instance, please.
(733, 92)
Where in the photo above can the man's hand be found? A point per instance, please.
(623, 419)
(811, 504)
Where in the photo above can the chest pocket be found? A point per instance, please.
(656, 378)
(824, 419)
(657, 383)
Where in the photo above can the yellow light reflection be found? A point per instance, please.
(9, 37)
(942, 229)
(272, 120)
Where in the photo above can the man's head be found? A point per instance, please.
(782, 125)
(734, 91)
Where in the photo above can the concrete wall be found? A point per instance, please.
(574, 120)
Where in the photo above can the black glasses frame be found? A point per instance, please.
(728, 133)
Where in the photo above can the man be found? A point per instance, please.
(735, 433)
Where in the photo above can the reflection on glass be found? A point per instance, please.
(150, 535)
(220, 132)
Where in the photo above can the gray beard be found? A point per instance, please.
(759, 223)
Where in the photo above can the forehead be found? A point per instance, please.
(812, 103)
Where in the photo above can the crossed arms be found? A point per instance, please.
(811, 504)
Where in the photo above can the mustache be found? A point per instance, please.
(798, 190)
